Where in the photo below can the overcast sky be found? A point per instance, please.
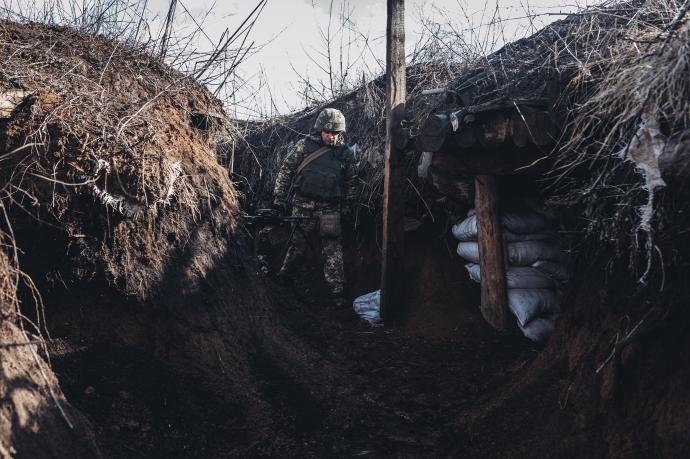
(291, 33)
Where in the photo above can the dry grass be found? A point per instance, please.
(8, 284)
(633, 76)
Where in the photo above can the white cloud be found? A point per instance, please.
(291, 34)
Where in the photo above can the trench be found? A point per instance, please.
(300, 377)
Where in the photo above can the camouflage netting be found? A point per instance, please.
(115, 151)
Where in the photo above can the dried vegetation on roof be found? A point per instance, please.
(614, 76)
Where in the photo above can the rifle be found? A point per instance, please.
(265, 217)
(273, 217)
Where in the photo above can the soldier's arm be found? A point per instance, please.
(350, 179)
(286, 175)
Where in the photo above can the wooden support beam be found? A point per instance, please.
(494, 302)
(393, 211)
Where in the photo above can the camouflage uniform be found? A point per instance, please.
(332, 249)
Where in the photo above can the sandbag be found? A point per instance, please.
(466, 230)
(525, 253)
(555, 270)
(424, 163)
(528, 277)
(520, 220)
(469, 251)
(368, 307)
(545, 235)
(523, 218)
(517, 277)
(527, 304)
(538, 329)
(473, 271)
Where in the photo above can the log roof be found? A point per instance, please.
(518, 96)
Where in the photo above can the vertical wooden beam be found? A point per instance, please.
(393, 210)
(494, 306)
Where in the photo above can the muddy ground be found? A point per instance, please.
(399, 395)
(242, 365)
(438, 383)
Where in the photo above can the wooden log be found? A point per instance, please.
(433, 133)
(466, 135)
(519, 132)
(393, 211)
(504, 161)
(494, 299)
(494, 131)
(530, 125)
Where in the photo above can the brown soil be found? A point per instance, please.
(31, 425)
(245, 367)
(241, 366)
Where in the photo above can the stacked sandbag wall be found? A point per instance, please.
(536, 265)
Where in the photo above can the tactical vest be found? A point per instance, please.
(324, 178)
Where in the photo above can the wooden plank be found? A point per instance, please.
(494, 300)
(393, 211)
(529, 161)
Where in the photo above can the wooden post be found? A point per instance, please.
(393, 211)
(494, 306)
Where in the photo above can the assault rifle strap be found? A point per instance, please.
(315, 155)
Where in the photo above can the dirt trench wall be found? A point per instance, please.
(31, 423)
(615, 374)
(126, 223)
(101, 143)
(36, 421)
(628, 369)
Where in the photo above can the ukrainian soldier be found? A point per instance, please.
(319, 176)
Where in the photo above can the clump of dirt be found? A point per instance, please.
(101, 144)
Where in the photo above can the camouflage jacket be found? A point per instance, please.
(304, 147)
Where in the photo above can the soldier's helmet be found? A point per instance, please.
(330, 119)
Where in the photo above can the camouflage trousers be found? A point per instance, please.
(331, 247)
